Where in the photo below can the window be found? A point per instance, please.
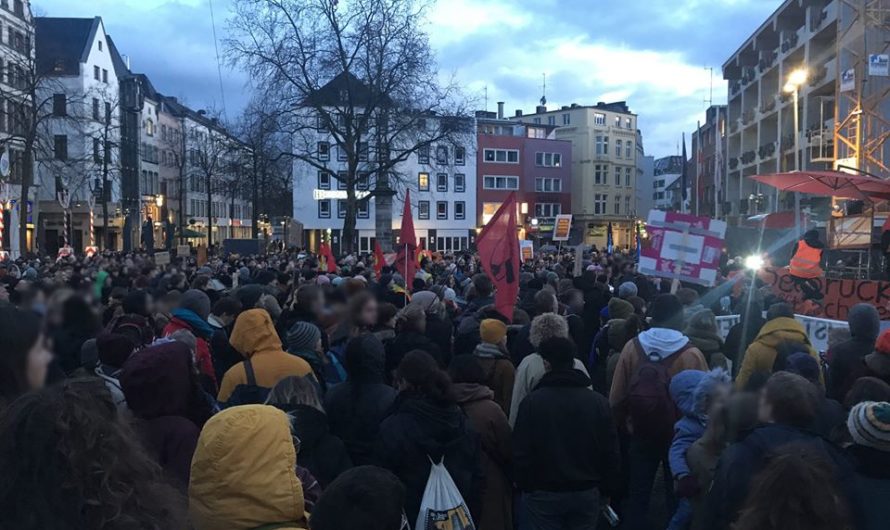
(618, 121)
(538, 121)
(460, 183)
(551, 120)
(105, 76)
(423, 155)
(441, 182)
(341, 208)
(618, 148)
(602, 144)
(628, 123)
(324, 180)
(364, 179)
(599, 203)
(500, 183)
(362, 211)
(96, 109)
(566, 119)
(341, 154)
(100, 46)
(60, 105)
(423, 181)
(548, 184)
(149, 127)
(628, 149)
(627, 176)
(96, 73)
(617, 176)
(342, 177)
(324, 151)
(547, 209)
(460, 156)
(107, 112)
(599, 173)
(363, 151)
(442, 155)
(548, 159)
(441, 210)
(61, 147)
(460, 210)
(423, 209)
(599, 119)
(324, 209)
(627, 206)
(97, 148)
(501, 156)
(617, 204)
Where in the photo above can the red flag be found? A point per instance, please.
(378, 258)
(418, 252)
(325, 253)
(406, 261)
(498, 246)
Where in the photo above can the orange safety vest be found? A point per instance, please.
(805, 263)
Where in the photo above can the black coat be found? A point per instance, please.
(846, 366)
(741, 461)
(355, 411)
(322, 453)
(406, 342)
(439, 331)
(740, 337)
(565, 438)
(419, 429)
(872, 482)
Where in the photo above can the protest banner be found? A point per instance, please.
(682, 247)
(562, 227)
(162, 258)
(526, 250)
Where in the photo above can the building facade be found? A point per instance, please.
(645, 178)
(529, 160)
(666, 192)
(604, 167)
(707, 166)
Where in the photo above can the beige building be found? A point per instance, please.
(604, 167)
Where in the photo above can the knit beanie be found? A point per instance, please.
(114, 348)
(883, 343)
(869, 425)
(492, 331)
(620, 309)
(196, 301)
(627, 289)
(666, 311)
(303, 336)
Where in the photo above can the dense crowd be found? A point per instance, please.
(262, 392)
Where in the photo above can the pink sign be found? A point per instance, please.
(682, 246)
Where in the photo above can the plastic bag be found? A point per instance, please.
(443, 507)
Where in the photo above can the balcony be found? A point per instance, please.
(747, 117)
(818, 21)
(767, 61)
(733, 163)
(748, 74)
(769, 105)
(767, 151)
(790, 42)
(734, 87)
(748, 157)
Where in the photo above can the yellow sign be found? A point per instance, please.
(526, 250)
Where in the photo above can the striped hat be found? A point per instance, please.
(869, 425)
(303, 336)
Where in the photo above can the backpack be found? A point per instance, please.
(651, 411)
(247, 394)
(599, 349)
(442, 505)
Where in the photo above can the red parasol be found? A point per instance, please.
(829, 183)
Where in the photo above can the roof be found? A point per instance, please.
(177, 109)
(121, 69)
(329, 94)
(61, 44)
(616, 106)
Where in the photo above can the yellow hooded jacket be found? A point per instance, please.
(244, 472)
(761, 354)
(255, 338)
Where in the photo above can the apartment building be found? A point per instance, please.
(529, 160)
(645, 178)
(666, 189)
(707, 167)
(604, 167)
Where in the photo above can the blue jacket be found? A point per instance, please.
(690, 390)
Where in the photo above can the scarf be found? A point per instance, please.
(488, 351)
(199, 326)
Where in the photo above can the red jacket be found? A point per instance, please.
(203, 359)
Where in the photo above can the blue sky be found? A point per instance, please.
(652, 53)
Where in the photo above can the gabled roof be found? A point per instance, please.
(329, 94)
(121, 69)
(61, 44)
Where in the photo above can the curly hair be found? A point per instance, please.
(70, 463)
(547, 326)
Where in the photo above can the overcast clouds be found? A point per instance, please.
(653, 53)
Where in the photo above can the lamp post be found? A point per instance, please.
(796, 79)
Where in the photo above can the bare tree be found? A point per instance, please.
(210, 151)
(173, 142)
(358, 78)
(103, 126)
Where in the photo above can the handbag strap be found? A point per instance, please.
(248, 369)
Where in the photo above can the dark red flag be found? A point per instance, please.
(406, 262)
(378, 258)
(324, 252)
(498, 246)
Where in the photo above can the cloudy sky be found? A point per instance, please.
(652, 53)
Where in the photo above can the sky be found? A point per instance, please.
(654, 54)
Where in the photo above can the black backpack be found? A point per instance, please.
(249, 393)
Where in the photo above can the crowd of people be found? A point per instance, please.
(263, 392)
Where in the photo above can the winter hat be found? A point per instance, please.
(865, 323)
(627, 289)
(303, 336)
(666, 311)
(620, 309)
(883, 343)
(492, 331)
(196, 301)
(114, 349)
(804, 365)
(869, 425)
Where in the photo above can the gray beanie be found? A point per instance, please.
(302, 336)
(626, 290)
(196, 301)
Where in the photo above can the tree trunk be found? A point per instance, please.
(255, 199)
(182, 204)
(209, 213)
(347, 236)
(105, 196)
(23, 201)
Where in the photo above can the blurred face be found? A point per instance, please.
(718, 398)
(36, 364)
(765, 409)
(368, 315)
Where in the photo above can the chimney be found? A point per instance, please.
(518, 113)
(540, 109)
(500, 110)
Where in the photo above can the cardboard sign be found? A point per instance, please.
(201, 259)
(839, 296)
(183, 251)
(682, 247)
(526, 250)
(562, 227)
(162, 258)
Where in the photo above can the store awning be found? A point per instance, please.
(188, 232)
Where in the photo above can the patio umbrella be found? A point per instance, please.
(829, 183)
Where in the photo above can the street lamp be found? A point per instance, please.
(796, 79)
(159, 201)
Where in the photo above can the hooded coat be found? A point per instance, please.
(188, 320)
(690, 390)
(255, 338)
(322, 453)
(761, 354)
(845, 359)
(244, 472)
(420, 429)
(160, 393)
(356, 407)
(499, 373)
(491, 423)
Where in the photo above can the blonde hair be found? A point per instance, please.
(295, 390)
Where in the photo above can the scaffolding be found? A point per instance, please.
(862, 113)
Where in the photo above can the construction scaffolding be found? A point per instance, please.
(862, 113)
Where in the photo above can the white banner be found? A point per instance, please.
(818, 329)
(848, 80)
(879, 64)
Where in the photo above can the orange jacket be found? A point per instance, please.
(805, 263)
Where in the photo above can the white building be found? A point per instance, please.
(643, 192)
(666, 193)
